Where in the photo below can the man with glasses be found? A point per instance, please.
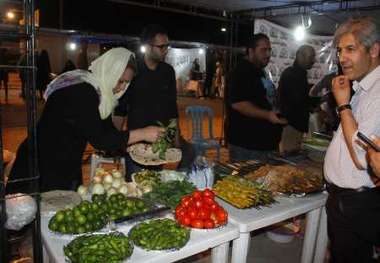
(152, 95)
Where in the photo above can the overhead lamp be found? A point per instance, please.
(201, 51)
(142, 49)
(11, 15)
(299, 33)
(72, 46)
(223, 29)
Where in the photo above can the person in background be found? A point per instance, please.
(82, 59)
(69, 66)
(152, 96)
(253, 126)
(4, 71)
(218, 83)
(78, 110)
(353, 211)
(195, 71)
(322, 89)
(294, 100)
(210, 71)
(43, 72)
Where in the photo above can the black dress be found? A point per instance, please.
(69, 121)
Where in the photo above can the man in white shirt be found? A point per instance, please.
(353, 206)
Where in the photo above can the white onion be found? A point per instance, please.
(98, 189)
(123, 189)
(100, 171)
(97, 179)
(116, 173)
(82, 190)
(111, 191)
(116, 183)
(108, 179)
(107, 186)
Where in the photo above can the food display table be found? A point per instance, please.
(252, 219)
(200, 240)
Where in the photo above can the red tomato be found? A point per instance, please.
(208, 193)
(204, 213)
(197, 194)
(208, 200)
(198, 203)
(179, 212)
(192, 212)
(208, 223)
(197, 223)
(186, 220)
(221, 216)
(214, 206)
(186, 200)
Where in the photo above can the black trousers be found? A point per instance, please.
(353, 222)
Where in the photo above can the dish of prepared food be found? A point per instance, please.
(286, 179)
(142, 153)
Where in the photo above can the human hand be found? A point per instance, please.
(341, 89)
(374, 157)
(152, 133)
(273, 118)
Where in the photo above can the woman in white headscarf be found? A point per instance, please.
(78, 110)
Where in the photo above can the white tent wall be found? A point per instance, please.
(57, 48)
(182, 59)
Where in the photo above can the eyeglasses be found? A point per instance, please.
(162, 47)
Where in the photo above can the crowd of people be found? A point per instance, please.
(261, 119)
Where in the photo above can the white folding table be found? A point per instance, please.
(252, 219)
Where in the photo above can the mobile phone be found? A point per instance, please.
(368, 141)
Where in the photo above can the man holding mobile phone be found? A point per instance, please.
(353, 209)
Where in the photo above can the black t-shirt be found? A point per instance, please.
(248, 132)
(151, 97)
(294, 97)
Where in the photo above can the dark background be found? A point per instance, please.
(114, 18)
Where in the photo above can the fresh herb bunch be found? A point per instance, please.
(166, 139)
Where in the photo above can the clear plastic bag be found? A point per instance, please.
(202, 173)
(21, 210)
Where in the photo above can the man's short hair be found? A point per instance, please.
(150, 31)
(255, 39)
(303, 50)
(364, 29)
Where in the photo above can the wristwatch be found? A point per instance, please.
(343, 107)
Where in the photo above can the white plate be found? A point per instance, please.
(142, 153)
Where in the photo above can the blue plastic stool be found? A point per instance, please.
(197, 113)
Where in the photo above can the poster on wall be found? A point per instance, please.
(284, 47)
(182, 60)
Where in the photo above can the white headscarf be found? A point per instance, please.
(104, 76)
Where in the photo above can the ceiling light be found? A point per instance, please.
(299, 33)
(201, 51)
(72, 46)
(10, 15)
(223, 29)
(142, 49)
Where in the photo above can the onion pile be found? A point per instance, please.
(109, 183)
